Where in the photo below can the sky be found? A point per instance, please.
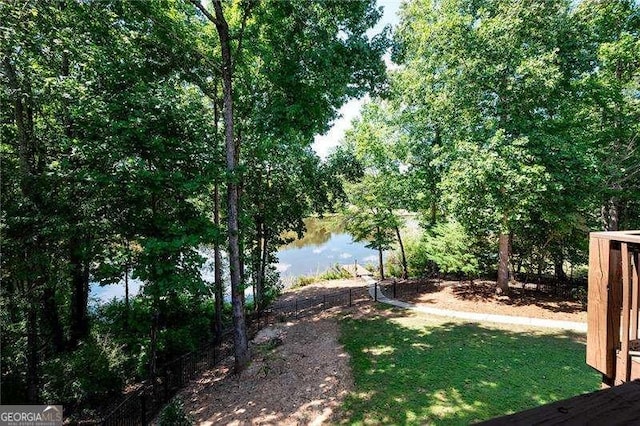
(350, 110)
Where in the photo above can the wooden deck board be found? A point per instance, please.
(360, 270)
(619, 405)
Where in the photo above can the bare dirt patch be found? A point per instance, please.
(299, 374)
(323, 288)
(481, 297)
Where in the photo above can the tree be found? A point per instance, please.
(491, 187)
(104, 130)
(298, 64)
(379, 145)
(486, 77)
(304, 61)
(109, 122)
(44, 226)
(450, 248)
(607, 104)
(366, 220)
(241, 343)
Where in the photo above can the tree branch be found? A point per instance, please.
(25, 143)
(248, 5)
(205, 12)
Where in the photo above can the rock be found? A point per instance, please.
(271, 335)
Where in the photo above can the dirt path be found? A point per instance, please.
(299, 374)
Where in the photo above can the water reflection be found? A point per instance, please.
(324, 244)
(318, 232)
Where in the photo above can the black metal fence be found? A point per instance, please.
(569, 289)
(143, 404)
(399, 289)
(300, 307)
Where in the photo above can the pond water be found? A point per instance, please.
(325, 243)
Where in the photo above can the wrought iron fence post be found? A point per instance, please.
(375, 291)
(166, 383)
(143, 407)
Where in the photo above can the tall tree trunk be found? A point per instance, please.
(78, 243)
(611, 209)
(380, 259)
(265, 259)
(30, 160)
(52, 319)
(240, 331)
(127, 305)
(239, 194)
(405, 271)
(217, 251)
(217, 266)
(610, 214)
(558, 266)
(33, 378)
(79, 327)
(258, 296)
(381, 264)
(29, 150)
(153, 373)
(503, 265)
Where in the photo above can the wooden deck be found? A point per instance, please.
(356, 270)
(619, 405)
(613, 340)
(613, 313)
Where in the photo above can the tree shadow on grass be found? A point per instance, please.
(455, 373)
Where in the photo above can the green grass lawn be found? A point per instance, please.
(413, 369)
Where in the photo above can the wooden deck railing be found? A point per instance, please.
(613, 341)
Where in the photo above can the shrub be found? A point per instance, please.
(304, 280)
(173, 414)
(335, 272)
(418, 263)
(451, 249)
(86, 376)
(580, 294)
(272, 285)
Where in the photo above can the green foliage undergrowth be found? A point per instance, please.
(174, 414)
(335, 272)
(446, 248)
(88, 375)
